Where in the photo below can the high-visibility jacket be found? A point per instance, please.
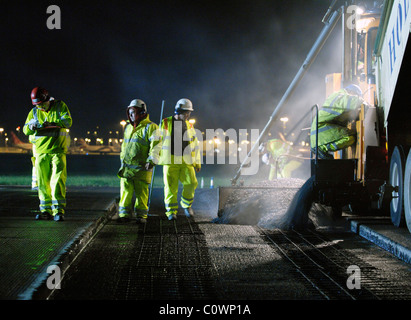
(140, 146)
(191, 155)
(338, 109)
(277, 148)
(285, 165)
(50, 140)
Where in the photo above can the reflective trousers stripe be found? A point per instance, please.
(187, 202)
(129, 187)
(173, 174)
(334, 138)
(51, 176)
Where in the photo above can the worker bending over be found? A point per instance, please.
(338, 110)
(139, 154)
(181, 159)
(48, 122)
(281, 157)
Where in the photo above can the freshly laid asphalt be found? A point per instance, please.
(29, 247)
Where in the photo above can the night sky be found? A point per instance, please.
(233, 59)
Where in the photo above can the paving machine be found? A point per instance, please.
(374, 175)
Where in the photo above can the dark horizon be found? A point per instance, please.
(233, 59)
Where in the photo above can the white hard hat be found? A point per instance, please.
(184, 105)
(354, 89)
(137, 103)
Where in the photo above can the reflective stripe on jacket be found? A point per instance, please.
(140, 146)
(338, 109)
(54, 140)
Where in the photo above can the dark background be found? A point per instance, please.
(233, 59)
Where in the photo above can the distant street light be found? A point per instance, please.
(123, 124)
(284, 120)
(1, 133)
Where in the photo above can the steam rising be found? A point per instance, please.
(234, 60)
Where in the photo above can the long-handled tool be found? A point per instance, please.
(154, 168)
(330, 21)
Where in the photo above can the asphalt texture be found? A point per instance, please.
(188, 259)
(29, 247)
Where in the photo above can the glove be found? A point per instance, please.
(265, 158)
(34, 125)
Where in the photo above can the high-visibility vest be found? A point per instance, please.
(191, 155)
(140, 146)
(56, 140)
(277, 147)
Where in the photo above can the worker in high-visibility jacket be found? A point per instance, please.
(49, 121)
(338, 110)
(181, 159)
(281, 157)
(139, 153)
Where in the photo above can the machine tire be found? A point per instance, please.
(407, 191)
(397, 165)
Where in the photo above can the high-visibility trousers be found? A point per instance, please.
(34, 185)
(332, 137)
(172, 174)
(51, 173)
(286, 171)
(138, 186)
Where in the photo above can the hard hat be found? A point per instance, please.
(137, 103)
(183, 105)
(354, 89)
(39, 95)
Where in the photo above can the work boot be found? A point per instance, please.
(44, 216)
(123, 219)
(59, 217)
(189, 212)
(141, 220)
(172, 216)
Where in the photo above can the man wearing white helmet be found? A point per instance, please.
(181, 159)
(338, 110)
(139, 154)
